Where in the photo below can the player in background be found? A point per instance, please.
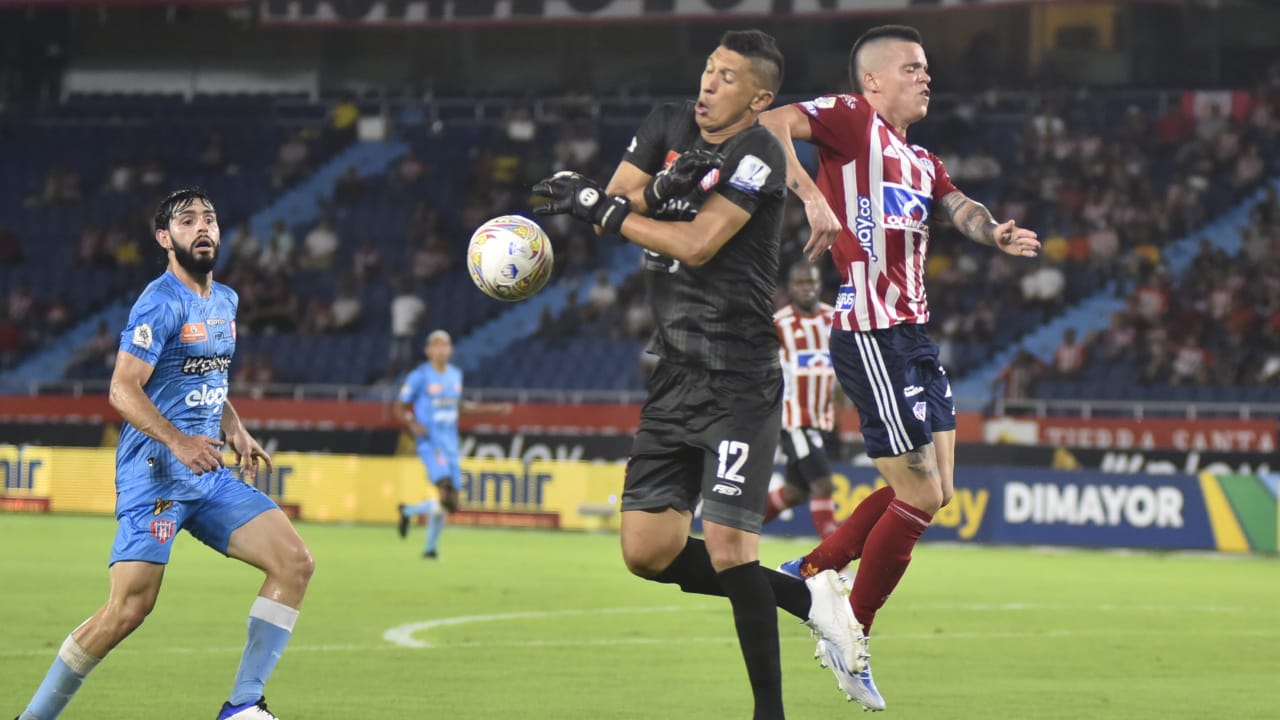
(170, 386)
(700, 188)
(429, 402)
(870, 206)
(808, 403)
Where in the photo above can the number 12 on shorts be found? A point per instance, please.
(733, 455)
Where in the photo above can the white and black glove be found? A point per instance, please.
(581, 197)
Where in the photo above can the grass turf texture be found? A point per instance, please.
(549, 625)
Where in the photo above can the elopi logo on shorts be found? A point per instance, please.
(163, 530)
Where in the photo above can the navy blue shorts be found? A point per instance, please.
(894, 379)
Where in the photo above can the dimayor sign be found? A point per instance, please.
(1232, 513)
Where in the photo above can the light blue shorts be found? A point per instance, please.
(146, 529)
(440, 463)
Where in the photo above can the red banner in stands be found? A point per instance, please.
(1224, 435)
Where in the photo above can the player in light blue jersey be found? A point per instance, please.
(428, 404)
(170, 386)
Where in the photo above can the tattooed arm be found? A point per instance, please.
(974, 221)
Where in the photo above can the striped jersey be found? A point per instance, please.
(188, 340)
(805, 354)
(882, 188)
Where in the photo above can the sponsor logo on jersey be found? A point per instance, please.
(813, 359)
(906, 209)
(912, 390)
(204, 364)
(216, 321)
(751, 174)
(864, 226)
(823, 103)
(142, 336)
(163, 530)
(844, 297)
(727, 489)
(194, 333)
(161, 506)
(206, 396)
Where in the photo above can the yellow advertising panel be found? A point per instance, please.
(348, 488)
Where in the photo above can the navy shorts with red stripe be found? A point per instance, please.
(901, 392)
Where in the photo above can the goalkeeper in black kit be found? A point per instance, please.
(701, 189)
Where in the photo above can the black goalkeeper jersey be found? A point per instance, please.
(718, 316)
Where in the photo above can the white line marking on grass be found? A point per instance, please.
(402, 635)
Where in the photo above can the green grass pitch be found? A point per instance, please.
(532, 624)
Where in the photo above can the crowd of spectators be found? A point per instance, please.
(1107, 192)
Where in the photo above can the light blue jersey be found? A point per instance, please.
(436, 398)
(189, 341)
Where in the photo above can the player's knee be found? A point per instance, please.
(127, 615)
(647, 559)
(822, 488)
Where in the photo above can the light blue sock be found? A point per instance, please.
(270, 625)
(61, 683)
(435, 526)
(426, 507)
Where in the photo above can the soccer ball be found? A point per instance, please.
(509, 258)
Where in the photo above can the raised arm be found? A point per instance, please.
(789, 124)
(975, 222)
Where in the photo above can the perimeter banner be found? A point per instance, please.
(1029, 506)
(493, 12)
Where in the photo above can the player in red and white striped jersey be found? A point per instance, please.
(870, 206)
(808, 401)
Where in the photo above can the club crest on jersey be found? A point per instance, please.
(906, 209)
(864, 227)
(163, 530)
(920, 410)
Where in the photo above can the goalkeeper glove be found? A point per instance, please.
(680, 177)
(581, 197)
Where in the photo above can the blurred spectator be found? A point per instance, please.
(346, 308)
(344, 117)
(120, 176)
(57, 316)
(100, 350)
(152, 173)
(1043, 286)
(21, 303)
(91, 248)
(601, 297)
(1069, 357)
(318, 318)
(1119, 341)
(291, 161)
(1017, 380)
(213, 158)
(10, 247)
(348, 188)
(520, 127)
(1191, 363)
(408, 312)
(320, 246)
(577, 146)
(409, 171)
(430, 259)
(366, 262)
(246, 248)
